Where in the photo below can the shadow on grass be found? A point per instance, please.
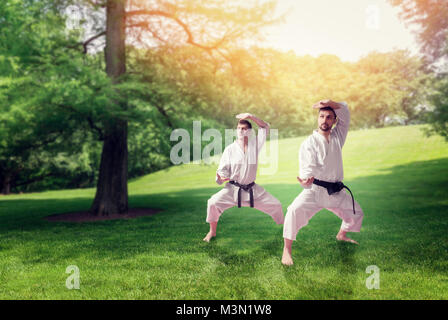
(405, 208)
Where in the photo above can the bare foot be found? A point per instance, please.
(209, 236)
(342, 236)
(287, 259)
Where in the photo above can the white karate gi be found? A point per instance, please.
(242, 168)
(323, 161)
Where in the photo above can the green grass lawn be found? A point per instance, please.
(399, 177)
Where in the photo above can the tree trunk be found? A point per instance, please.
(112, 188)
(6, 183)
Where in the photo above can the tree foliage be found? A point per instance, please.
(430, 16)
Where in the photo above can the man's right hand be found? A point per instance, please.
(306, 182)
(222, 179)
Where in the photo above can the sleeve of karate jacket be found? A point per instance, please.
(261, 136)
(307, 160)
(224, 166)
(343, 124)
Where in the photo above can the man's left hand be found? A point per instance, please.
(326, 103)
(243, 116)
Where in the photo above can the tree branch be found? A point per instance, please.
(87, 42)
(146, 25)
(95, 4)
(32, 180)
(89, 120)
(44, 142)
(97, 129)
(163, 112)
(184, 26)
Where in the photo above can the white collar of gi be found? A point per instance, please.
(316, 133)
(250, 140)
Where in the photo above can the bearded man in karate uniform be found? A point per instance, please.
(320, 165)
(238, 165)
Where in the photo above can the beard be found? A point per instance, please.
(324, 127)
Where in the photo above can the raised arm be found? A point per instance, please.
(263, 130)
(249, 116)
(342, 114)
(259, 122)
(343, 124)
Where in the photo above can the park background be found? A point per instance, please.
(85, 124)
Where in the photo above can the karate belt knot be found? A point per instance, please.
(333, 187)
(247, 188)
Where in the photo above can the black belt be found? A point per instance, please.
(333, 187)
(247, 188)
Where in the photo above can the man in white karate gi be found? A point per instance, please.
(238, 165)
(321, 174)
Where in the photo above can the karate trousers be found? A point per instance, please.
(226, 198)
(312, 200)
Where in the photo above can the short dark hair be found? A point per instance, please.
(329, 109)
(245, 122)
